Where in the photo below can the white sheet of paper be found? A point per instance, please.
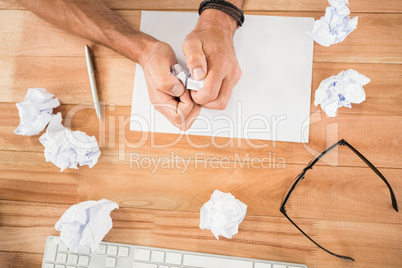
(271, 100)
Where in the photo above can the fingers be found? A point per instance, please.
(225, 91)
(180, 113)
(221, 102)
(195, 58)
(210, 91)
(191, 117)
(159, 71)
(164, 88)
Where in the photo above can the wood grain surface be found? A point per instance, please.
(341, 203)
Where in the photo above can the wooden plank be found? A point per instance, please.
(20, 259)
(278, 5)
(382, 93)
(116, 80)
(374, 41)
(359, 240)
(67, 78)
(141, 183)
(24, 175)
(284, 5)
(25, 34)
(346, 193)
(262, 237)
(375, 136)
(372, 244)
(375, 36)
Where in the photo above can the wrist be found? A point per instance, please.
(218, 20)
(136, 46)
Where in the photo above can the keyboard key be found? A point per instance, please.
(112, 250)
(173, 258)
(295, 266)
(84, 250)
(101, 249)
(60, 266)
(279, 266)
(61, 257)
(69, 266)
(163, 266)
(110, 262)
(142, 254)
(157, 256)
(62, 248)
(195, 260)
(262, 265)
(51, 265)
(51, 251)
(72, 259)
(123, 251)
(144, 265)
(83, 260)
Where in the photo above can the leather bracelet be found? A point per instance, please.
(224, 6)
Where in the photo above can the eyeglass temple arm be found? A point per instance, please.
(311, 164)
(393, 198)
(333, 254)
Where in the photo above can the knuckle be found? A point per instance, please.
(221, 105)
(224, 63)
(195, 59)
(189, 41)
(211, 96)
(238, 74)
(164, 85)
(214, 95)
(177, 119)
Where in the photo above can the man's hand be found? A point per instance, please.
(166, 92)
(210, 54)
(94, 20)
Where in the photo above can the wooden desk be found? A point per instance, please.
(346, 209)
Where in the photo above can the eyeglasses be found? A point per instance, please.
(310, 166)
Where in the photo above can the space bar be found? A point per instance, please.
(213, 262)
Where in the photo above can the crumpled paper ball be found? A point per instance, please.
(66, 148)
(222, 214)
(35, 111)
(335, 25)
(85, 224)
(340, 91)
(183, 74)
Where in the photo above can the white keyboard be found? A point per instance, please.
(130, 256)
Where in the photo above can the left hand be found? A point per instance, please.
(166, 92)
(210, 54)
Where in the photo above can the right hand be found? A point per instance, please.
(166, 92)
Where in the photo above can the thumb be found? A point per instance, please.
(164, 80)
(195, 58)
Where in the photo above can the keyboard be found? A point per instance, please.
(130, 256)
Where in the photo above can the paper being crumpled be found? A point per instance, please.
(183, 74)
(66, 148)
(340, 91)
(222, 214)
(86, 224)
(335, 25)
(35, 111)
